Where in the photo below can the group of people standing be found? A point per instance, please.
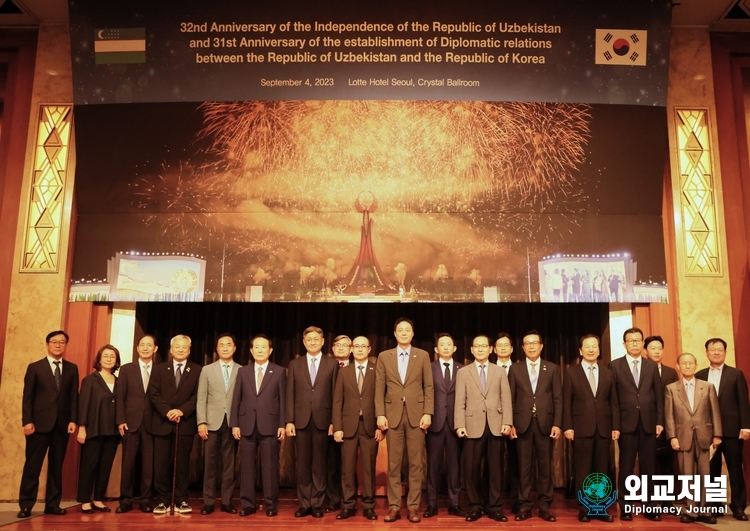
(474, 419)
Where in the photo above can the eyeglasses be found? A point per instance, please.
(481, 346)
(531, 343)
(634, 341)
(360, 347)
(343, 345)
(58, 342)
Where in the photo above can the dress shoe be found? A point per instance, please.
(87, 511)
(299, 513)
(333, 507)
(626, 517)
(207, 509)
(653, 517)
(123, 508)
(101, 508)
(707, 519)
(606, 518)
(547, 516)
(271, 512)
(685, 519)
(515, 509)
(742, 517)
(455, 510)
(346, 513)
(55, 511)
(473, 515)
(499, 516)
(583, 516)
(228, 509)
(522, 515)
(430, 511)
(24, 513)
(147, 508)
(317, 512)
(247, 511)
(393, 515)
(370, 514)
(414, 517)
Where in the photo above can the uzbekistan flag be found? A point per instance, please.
(120, 46)
(621, 47)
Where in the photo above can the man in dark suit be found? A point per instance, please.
(173, 391)
(213, 407)
(404, 404)
(441, 435)
(354, 427)
(258, 421)
(483, 415)
(537, 416)
(342, 351)
(654, 348)
(641, 399)
(49, 416)
(731, 388)
(503, 350)
(309, 401)
(591, 416)
(132, 414)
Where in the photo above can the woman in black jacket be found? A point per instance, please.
(97, 431)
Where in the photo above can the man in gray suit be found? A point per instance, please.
(693, 423)
(483, 414)
(215, 391)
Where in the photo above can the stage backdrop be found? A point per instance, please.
(408, 151)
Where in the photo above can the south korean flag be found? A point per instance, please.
(621, 47)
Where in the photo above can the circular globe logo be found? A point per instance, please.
(597, 487)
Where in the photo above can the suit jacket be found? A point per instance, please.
(214, 403)
(133, 406)
(645, 401)
(305, 401)
(348, 402)
(703, 420)
(45, 406)
(164, 397)
(96, 406)
(668, 375)
(585, 413)
(417, 390)
(547, 398)
(445, 399)
(733, 401)
(265, 407)
(476, 408)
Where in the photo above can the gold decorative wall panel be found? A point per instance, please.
(44, 216)
(697, 193)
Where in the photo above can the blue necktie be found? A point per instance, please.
(226, 376)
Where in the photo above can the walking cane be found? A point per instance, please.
(174, 464)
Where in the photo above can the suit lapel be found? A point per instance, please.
(723, 381)
(475, 376)
(410, 366)
(456, 366)
(684, 397)
(269, 372)
(48, 375)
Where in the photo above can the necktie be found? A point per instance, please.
(483, 377)
(226, 376)
(341, 364)
(58, 375)
(447, 374)
(145, 375)
(402, 359)
(361, 378)
(258, 380)
(592, 380)
(505, 368)
(660, 370)
(533, 377)
(178, 375)
(313, 371)
(635, 372)
(689, 391)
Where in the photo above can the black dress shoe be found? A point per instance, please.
(271, 512)
(499, 516)
(653, 517)
(455, 510)
(103, 509)
(522, 515)
(333, 507)
(346, 513)
(430, 511)
(147, 508)
(207, 509)
(370, 514)
(123, 508)
(473, 515)
(707, 519)
(317, 512)
(87, 511)
(299, 513)
(606, 518)
(247, 511)
(547, 516)
(24, 513)
(685, 519)
(626, 517)
(228, 509)
(56, 511)
(742, 517)
(583, 517)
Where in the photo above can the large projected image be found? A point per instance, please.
(361, 200)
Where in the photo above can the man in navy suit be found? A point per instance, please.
(257, 420)
(49, 416)
(731, 388)
(641, 398)
(441, 435)
(173, 390)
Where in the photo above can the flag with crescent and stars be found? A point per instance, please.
(120, 45)
(620, 47)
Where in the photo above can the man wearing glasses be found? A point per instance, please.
(640, 394)
(342, 351)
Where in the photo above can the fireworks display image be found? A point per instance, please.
(448, 198)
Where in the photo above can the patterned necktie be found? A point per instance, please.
(145, 375)
(635, 372)
(226, 376)
(313, 371)
(534, 377)
(258, 380)
(592, 380)
(447, 374)
(58, 375)
(483, 377)
(361, 378)
(178, 375)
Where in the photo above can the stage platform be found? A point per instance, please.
(565, 510)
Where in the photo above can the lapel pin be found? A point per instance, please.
(187, 369)
(544, 367)
(270, 372)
